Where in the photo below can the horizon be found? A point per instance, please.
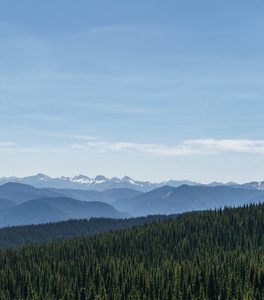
(160, 90)
(122, 177)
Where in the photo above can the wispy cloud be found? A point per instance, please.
(136, 147)
(228, 145)
(189, 147)
(199, 146)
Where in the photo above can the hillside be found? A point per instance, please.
(20, 193)
(23, 235)
(23, 192)
(108, 196)
(200, 255)
(6, 204)
(44, 210)
(169, 200)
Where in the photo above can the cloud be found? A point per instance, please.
(135, 147)
(189, 147)
(240, 146)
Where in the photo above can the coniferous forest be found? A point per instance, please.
(199, 255)
(39, 233)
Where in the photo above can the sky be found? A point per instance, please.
(154, 90)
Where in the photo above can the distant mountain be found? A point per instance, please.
(120, 193)
(20, 193)
(23, 192)
(253, 185)
(45, 210)
(24, 204)
(169, 200)
(99, 183)
(6, 204)
(107, 196)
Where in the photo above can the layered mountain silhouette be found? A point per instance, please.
(6, 204)
(23, 192)
(107, 196)
(170, 200)
(22, 204)
(45, 210)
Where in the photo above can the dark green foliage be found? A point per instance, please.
(28, 234)
(199, 255)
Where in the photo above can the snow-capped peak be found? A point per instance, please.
(100, 178)
(128, 179)
(81, 179)
(42, 177)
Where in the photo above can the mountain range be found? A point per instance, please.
(20, 193)
(171, 200)
(45, 210)
(101, 183)
(22, 204)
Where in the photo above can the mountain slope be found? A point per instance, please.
(23, 235)
(6, 204)
(107, 196)
(253, 185)
(22, 192)
(44, 210)
(199, 255)
(168, 200)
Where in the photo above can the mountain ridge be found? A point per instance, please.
(169, 200)
(47, 209)
(101, 183)
(23, 204)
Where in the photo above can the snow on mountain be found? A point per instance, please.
(82, 179)
(254, 185)
(101, 183)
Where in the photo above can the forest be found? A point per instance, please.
(216, 254)
(38, 233)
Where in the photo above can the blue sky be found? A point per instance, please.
(155, 90)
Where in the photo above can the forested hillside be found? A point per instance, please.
(24, 235)
(198, 255)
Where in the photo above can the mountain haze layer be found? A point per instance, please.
(22, 204)
(45, 210)
(170, 200)
(20, 193)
